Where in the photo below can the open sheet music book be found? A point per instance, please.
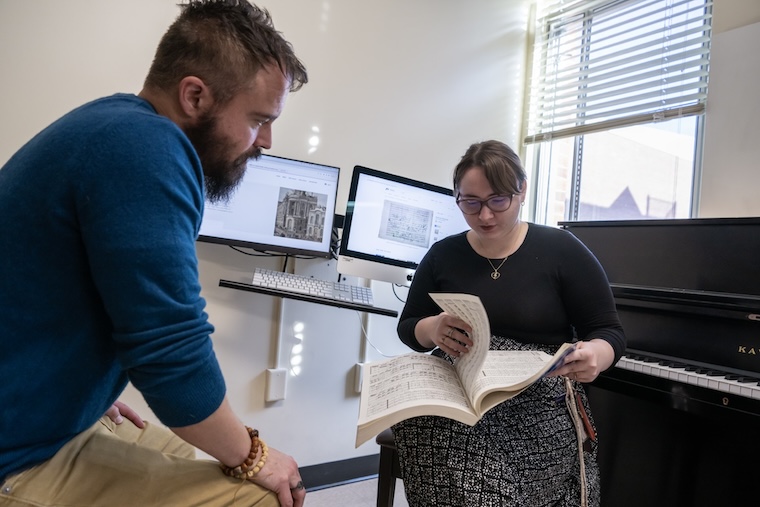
(417, 384)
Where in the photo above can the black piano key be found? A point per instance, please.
(710, 372)
(748, 380)
(672, 364)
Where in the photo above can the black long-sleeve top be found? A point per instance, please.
(551, 290)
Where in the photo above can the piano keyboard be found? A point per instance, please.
(717, 380)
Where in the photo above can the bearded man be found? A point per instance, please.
(99, 214)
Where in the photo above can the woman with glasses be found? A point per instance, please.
(541, 287)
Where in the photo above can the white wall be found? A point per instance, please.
(399, 85)
(402, 86)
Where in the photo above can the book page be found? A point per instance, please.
(409, 380)
(504, 368)
(510, 371)
(408, 386)
(470, 309)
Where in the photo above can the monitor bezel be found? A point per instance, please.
(346, 235)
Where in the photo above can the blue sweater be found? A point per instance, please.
(99, 280)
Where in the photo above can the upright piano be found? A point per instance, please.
(679, 415)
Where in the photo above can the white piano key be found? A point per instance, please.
(713, 382)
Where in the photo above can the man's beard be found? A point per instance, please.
(221, 175)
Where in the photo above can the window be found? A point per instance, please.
(616, 108)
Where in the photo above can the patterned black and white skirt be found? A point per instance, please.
(524, 452)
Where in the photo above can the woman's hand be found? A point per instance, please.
(446, 332)
(587, 361)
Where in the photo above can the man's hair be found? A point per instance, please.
(224, 43)
(501, 165)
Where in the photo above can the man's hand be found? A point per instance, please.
(119, 410)
(280, 474)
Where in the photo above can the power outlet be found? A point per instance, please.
(276, 378)
(358, 377)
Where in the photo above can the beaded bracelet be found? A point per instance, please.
(246, 470)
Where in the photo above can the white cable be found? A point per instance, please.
(366, 337)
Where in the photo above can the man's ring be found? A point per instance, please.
(451, 331)
(297, 486)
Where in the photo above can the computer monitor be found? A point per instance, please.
(282, 206)
(391, 222)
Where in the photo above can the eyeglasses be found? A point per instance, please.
(472, 206)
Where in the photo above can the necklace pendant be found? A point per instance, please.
(495, 275)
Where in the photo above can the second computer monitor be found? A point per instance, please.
(391, 222)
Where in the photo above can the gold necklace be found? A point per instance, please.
(495, 275)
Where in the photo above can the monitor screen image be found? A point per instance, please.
(281, 206)
(391, 222)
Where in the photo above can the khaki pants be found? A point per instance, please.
(114, 465)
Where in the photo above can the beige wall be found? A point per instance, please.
(731, 161)
(730, 14)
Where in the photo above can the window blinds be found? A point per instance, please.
(601, 64)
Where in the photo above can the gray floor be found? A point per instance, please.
(357, 494)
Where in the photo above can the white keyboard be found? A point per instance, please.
(314, 287)
(703, 377)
